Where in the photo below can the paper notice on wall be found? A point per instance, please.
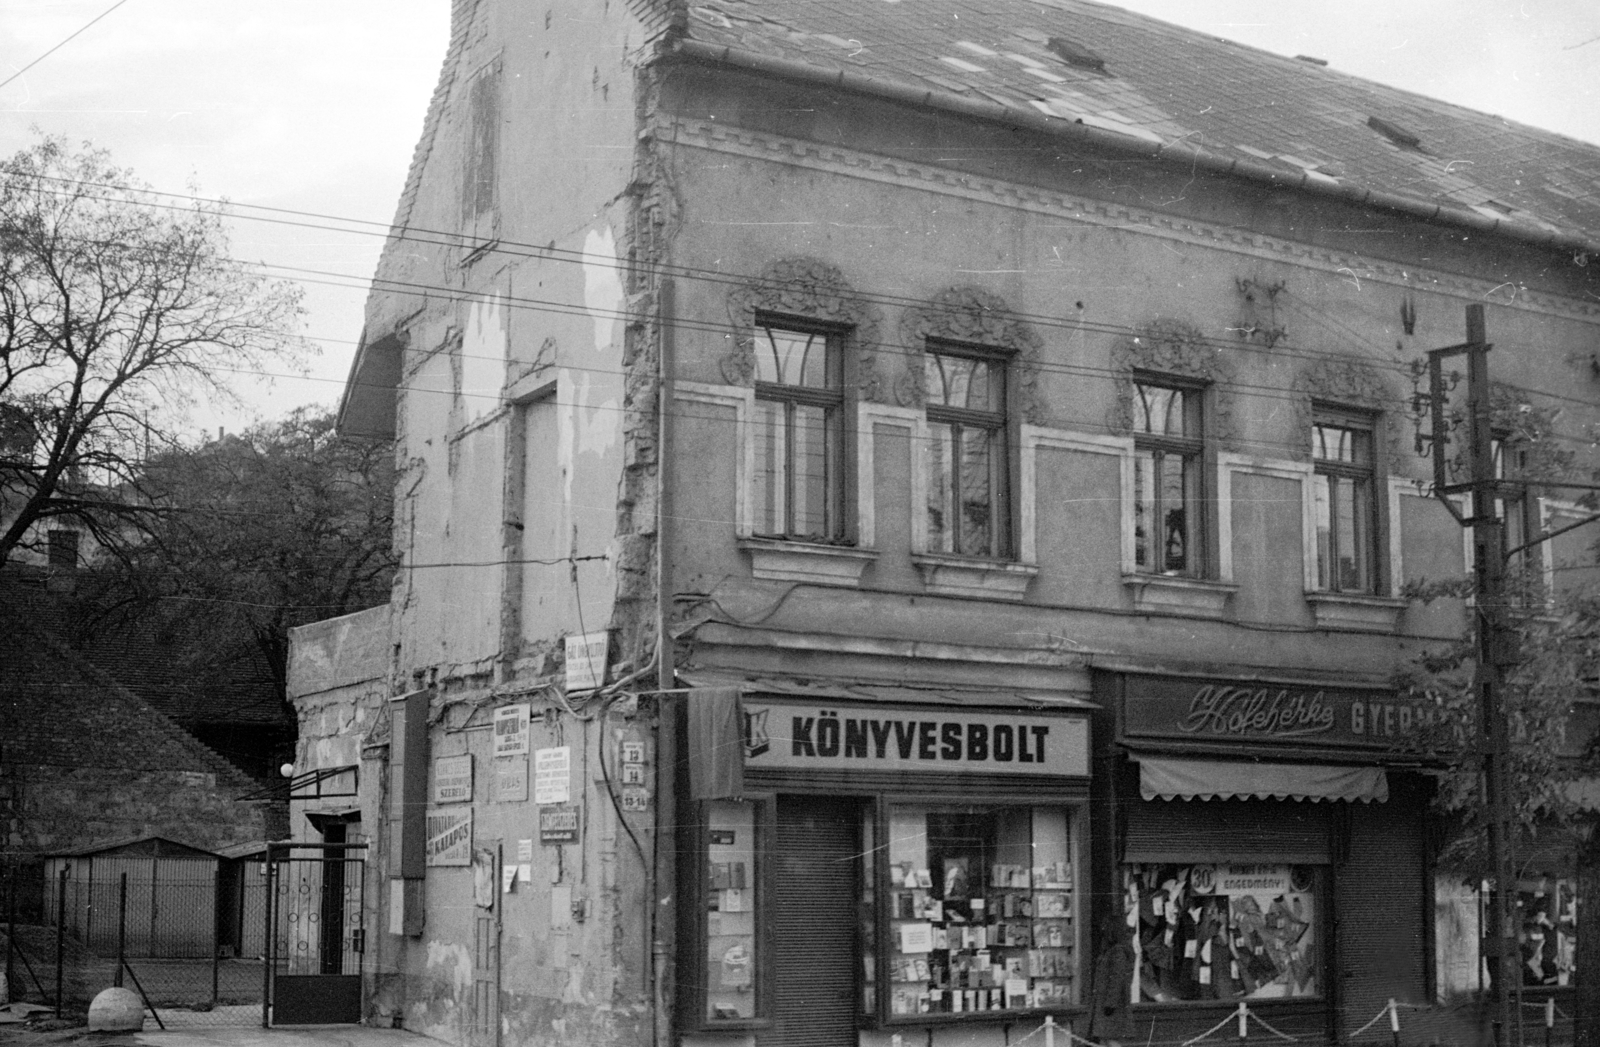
(511, 733)
(511, 779)
(525, 850)
(552, 775)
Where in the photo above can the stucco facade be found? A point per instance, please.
(626, 208)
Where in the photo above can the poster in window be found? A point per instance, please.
(1222, 931)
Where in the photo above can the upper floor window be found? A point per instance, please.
(1168, 475)
(1346, 512)
(1520, 523)
(969, 485)
(799, 432)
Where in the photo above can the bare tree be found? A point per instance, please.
(115, 312)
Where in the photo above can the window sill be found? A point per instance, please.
(781, 561)
(962, 576)
(1175, 594)
(1355, 611)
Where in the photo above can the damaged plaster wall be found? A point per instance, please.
(513, 505)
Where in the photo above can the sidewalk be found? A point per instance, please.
(292, 1036)
(235, 1036)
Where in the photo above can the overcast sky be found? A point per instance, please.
(315, 105)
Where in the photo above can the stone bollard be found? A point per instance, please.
(116, 1010)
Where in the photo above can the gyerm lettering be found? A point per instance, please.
(829, 736)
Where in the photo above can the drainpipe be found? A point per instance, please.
(662, 883)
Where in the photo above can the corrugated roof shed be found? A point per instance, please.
(1172, 91)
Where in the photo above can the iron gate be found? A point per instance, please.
(315, 933)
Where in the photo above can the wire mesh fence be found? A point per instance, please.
(187, 936)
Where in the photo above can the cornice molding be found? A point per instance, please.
(796, 152)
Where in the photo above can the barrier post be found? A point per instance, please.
(1244, 1027)
(1549, 1019)
(1394, 1021)
(1049, 1030)
(122, 929)
(61, 941)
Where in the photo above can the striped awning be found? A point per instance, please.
(1166, 778)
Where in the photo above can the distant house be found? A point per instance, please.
(89, 761)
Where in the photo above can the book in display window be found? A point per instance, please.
(730, 909)
(983, 909)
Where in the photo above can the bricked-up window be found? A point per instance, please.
(1346, 513)
(800, 468)
(478, 184)
(969, 490)
(1168, 525)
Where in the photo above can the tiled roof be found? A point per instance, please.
(1074, 65)
(57, 709)
(236, 689)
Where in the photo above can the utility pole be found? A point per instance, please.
(1494, 643)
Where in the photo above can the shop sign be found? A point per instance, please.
(558, 823)
(511, 731)
(814, 737)
(586, 661)
(452, 779)
(1200, 710)
(449, 836)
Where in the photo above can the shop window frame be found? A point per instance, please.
(1079, 836)
(695, 990)
(1324, 886)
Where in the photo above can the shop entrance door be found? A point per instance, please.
(814, 947)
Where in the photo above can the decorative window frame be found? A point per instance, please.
(811, 292)
(1347, 383)
(972, 317)
(1179, 350)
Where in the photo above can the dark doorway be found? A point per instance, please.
(817, 891)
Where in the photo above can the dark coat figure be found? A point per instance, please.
(1110, 1017)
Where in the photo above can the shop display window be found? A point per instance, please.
(1547, 930)
(1223, 932)
(983, 909)
(731, 880)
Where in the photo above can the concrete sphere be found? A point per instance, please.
(116, 1010)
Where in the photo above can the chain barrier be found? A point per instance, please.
(1050, 1028)
(1244, 1015)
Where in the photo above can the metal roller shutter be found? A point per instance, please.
(1381, 903)
(813, 927)
(1292, 831)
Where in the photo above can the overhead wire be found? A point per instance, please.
(558, 307)
(549, 252)
(64, 42)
